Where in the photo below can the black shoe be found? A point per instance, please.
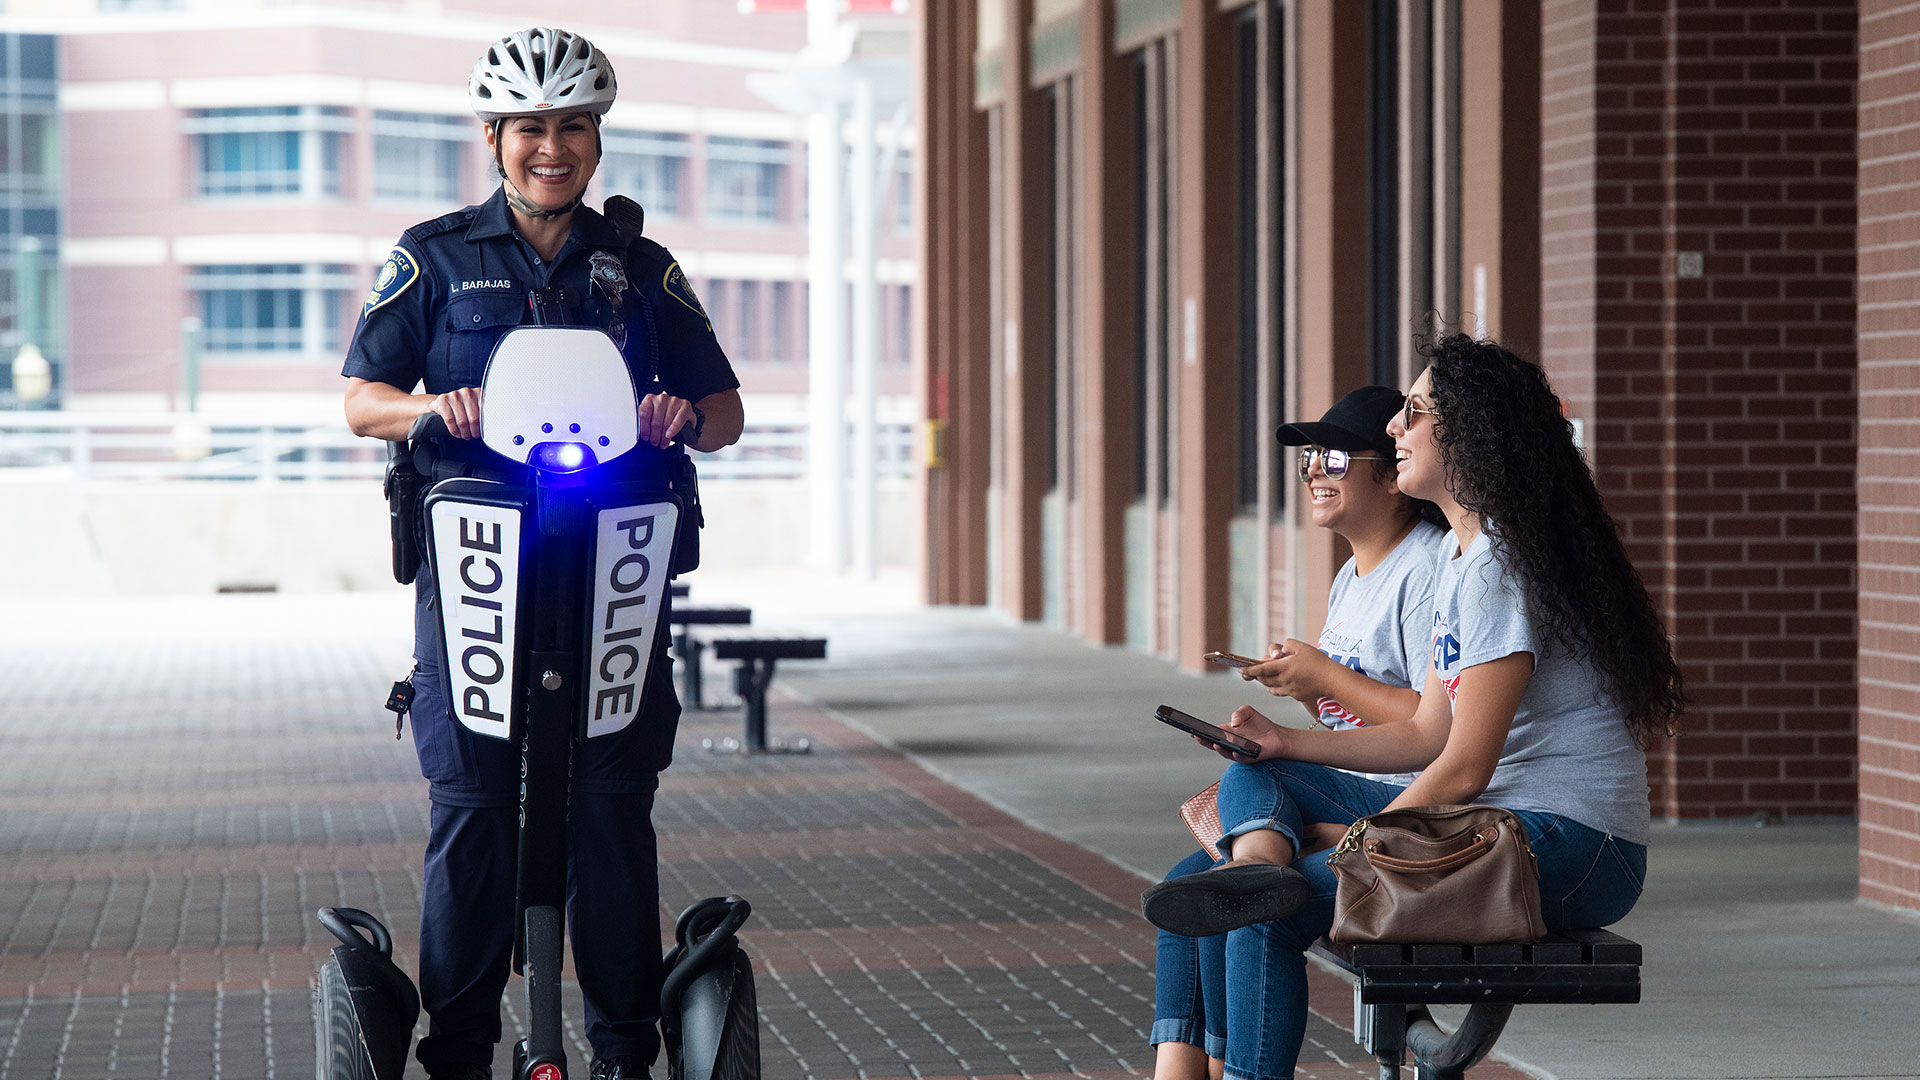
(620, 1068)
(1226, 898)
(461, 1071)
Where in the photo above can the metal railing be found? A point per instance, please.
(193, 446)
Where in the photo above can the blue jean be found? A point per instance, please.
(1587, 878)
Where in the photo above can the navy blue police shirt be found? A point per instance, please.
(455, 285)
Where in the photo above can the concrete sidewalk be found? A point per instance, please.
(1760, 962)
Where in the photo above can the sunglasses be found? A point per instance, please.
(1332, 462)
(1406, 414)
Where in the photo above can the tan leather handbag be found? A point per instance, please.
(1460, 874)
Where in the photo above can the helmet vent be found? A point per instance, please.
(514, 52)
(483, 90)
(600, 83)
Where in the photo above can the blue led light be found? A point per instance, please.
(562, 457)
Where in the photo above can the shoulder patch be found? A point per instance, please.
(678, 287)
(399, 271)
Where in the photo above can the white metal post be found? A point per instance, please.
(827, 340)
(863, 190)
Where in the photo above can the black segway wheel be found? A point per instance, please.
(339, 1050)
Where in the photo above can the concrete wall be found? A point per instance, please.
(180, 538)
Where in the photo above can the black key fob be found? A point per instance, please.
(400, 702)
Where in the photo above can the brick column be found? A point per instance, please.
(1719, 409)
(1203, 314)
(1028, 289)
(1106, 322)
(951, 304)
(1889, 481)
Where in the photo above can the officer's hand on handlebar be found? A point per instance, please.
(662, 416)
(461, 410)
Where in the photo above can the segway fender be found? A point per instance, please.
(384, 1001)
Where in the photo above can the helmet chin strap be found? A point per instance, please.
(531, 209)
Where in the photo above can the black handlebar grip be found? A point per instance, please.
(346, 923)
(428, 425)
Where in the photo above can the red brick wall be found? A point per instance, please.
(1720, 409)
(1889, 481)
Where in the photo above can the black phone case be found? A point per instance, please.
(1195, 726)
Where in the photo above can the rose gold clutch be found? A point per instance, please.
(1202, 815)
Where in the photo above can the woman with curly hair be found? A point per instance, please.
(1550, 671)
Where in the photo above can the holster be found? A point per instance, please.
(686, 541)
(402, 487)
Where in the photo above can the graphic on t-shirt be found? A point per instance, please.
(1331, 709)
(1446, 654)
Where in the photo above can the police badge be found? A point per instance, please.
(608, 275)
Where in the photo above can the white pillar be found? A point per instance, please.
(863, 192)
(826, 340)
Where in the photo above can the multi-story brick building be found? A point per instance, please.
(248, 164)
(1198, 217)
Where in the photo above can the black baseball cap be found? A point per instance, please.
(1356, 422)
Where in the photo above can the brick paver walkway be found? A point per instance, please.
(176, 800)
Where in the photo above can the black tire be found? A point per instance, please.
(339, 1053)
(739, 1057)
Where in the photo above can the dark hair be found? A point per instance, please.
(1509, 456)
(1417, 509)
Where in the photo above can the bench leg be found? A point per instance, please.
(690, 650)
(1438, 1055)
(750, 681)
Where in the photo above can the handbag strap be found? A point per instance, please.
(1480, 846)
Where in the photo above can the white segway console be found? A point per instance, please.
(562, 402)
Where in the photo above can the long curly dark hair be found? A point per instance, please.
(1509, 457)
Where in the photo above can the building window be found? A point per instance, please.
(28, 155)
(274, 309)
(903, 193)
(747, 332)
(781, 325)
(648, 167)
(417, 156)
(277, 150)
(745, 178)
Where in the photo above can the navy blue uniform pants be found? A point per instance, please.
(467, 895)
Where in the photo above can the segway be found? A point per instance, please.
(551, 551)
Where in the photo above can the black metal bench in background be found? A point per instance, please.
(1394, 984)
(757, 655)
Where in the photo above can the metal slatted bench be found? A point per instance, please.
(757, 655)
(1394, 984)
(684, 617)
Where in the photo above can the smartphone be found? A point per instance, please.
(1217, 736)
(1232, 660)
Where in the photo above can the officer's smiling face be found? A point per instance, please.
(548, 158)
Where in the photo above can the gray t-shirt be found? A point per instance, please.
(1381, 624)
(1569, 751)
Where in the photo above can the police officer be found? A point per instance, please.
(448, 291)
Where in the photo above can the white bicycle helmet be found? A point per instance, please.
(537, 70)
